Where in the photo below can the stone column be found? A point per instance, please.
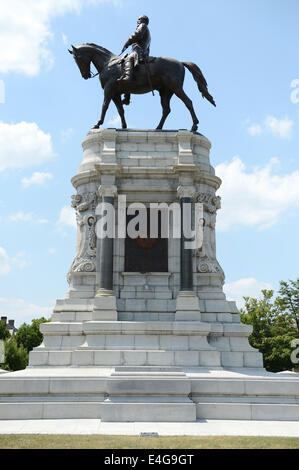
(187, 307)
(105, 300)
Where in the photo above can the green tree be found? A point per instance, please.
(29, 336)
(288, 299)
(16, 357)
(4, 333)
(274, 327)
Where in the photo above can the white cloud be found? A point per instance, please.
(64, 38)
(36, 179)
(23, 311)
(21, 217)
(66, 134)
(23, 145)
(67, 217)
(5, 266)
(25, 32)
(254, 129)
(21, 260)
(248, 287)
(26, 217)
(255, 198)
(2, 92)
(279, 127)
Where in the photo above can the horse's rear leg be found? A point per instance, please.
(120, 109)
(186, 100)
(166, 96)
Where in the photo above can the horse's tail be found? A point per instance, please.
(200, 80)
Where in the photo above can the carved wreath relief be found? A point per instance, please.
(85, 206)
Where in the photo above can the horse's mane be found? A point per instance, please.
(101, 49)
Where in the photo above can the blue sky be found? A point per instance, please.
(248, 52)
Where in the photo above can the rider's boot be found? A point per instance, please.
(128, 72)
(126, 99)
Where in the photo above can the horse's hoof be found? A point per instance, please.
(96, 126)
(124, 126)
(194, 128)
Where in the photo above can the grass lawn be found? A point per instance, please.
(46, 441)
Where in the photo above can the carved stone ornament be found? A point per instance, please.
(86, 238)
(210, 202)
(84, 202)
(206, 265)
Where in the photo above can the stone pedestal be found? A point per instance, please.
(148, 344)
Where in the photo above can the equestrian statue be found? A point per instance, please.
(138, 73)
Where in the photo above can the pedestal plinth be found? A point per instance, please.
(146, 340)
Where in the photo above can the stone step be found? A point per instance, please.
(248, 411)
(50, 410)
(124, 411)
(111, 358)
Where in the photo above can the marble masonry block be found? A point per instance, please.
(107, 358)
(147, 342)
(233, 306)
(67, 316)
(135, 305)
(38, 358)
(224, 317)
(69, 342)
(224, 411)
(186, 358)
(220, 343)
(83, 316)
(209, 359)
(95, 341)
(147, 412)
(119, 342)
(187, 307)
(52, 342)
(83, 358)
(232, 359)
(174, 343)
(105, 308)
(160, 358)
(278, 412)
(240, 344)
(253, 359)
(151, 386)
(216, 306)
(197, 343)
(157, 305)
(130, 357)
(60, 358)
(208, 317)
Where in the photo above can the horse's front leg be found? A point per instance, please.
(120, 109)
(107, 98)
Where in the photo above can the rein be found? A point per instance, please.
(94, 74)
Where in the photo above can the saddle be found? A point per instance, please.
(120, 60)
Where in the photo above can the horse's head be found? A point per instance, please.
(82, 59)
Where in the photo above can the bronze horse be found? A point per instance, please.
(166, 76)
